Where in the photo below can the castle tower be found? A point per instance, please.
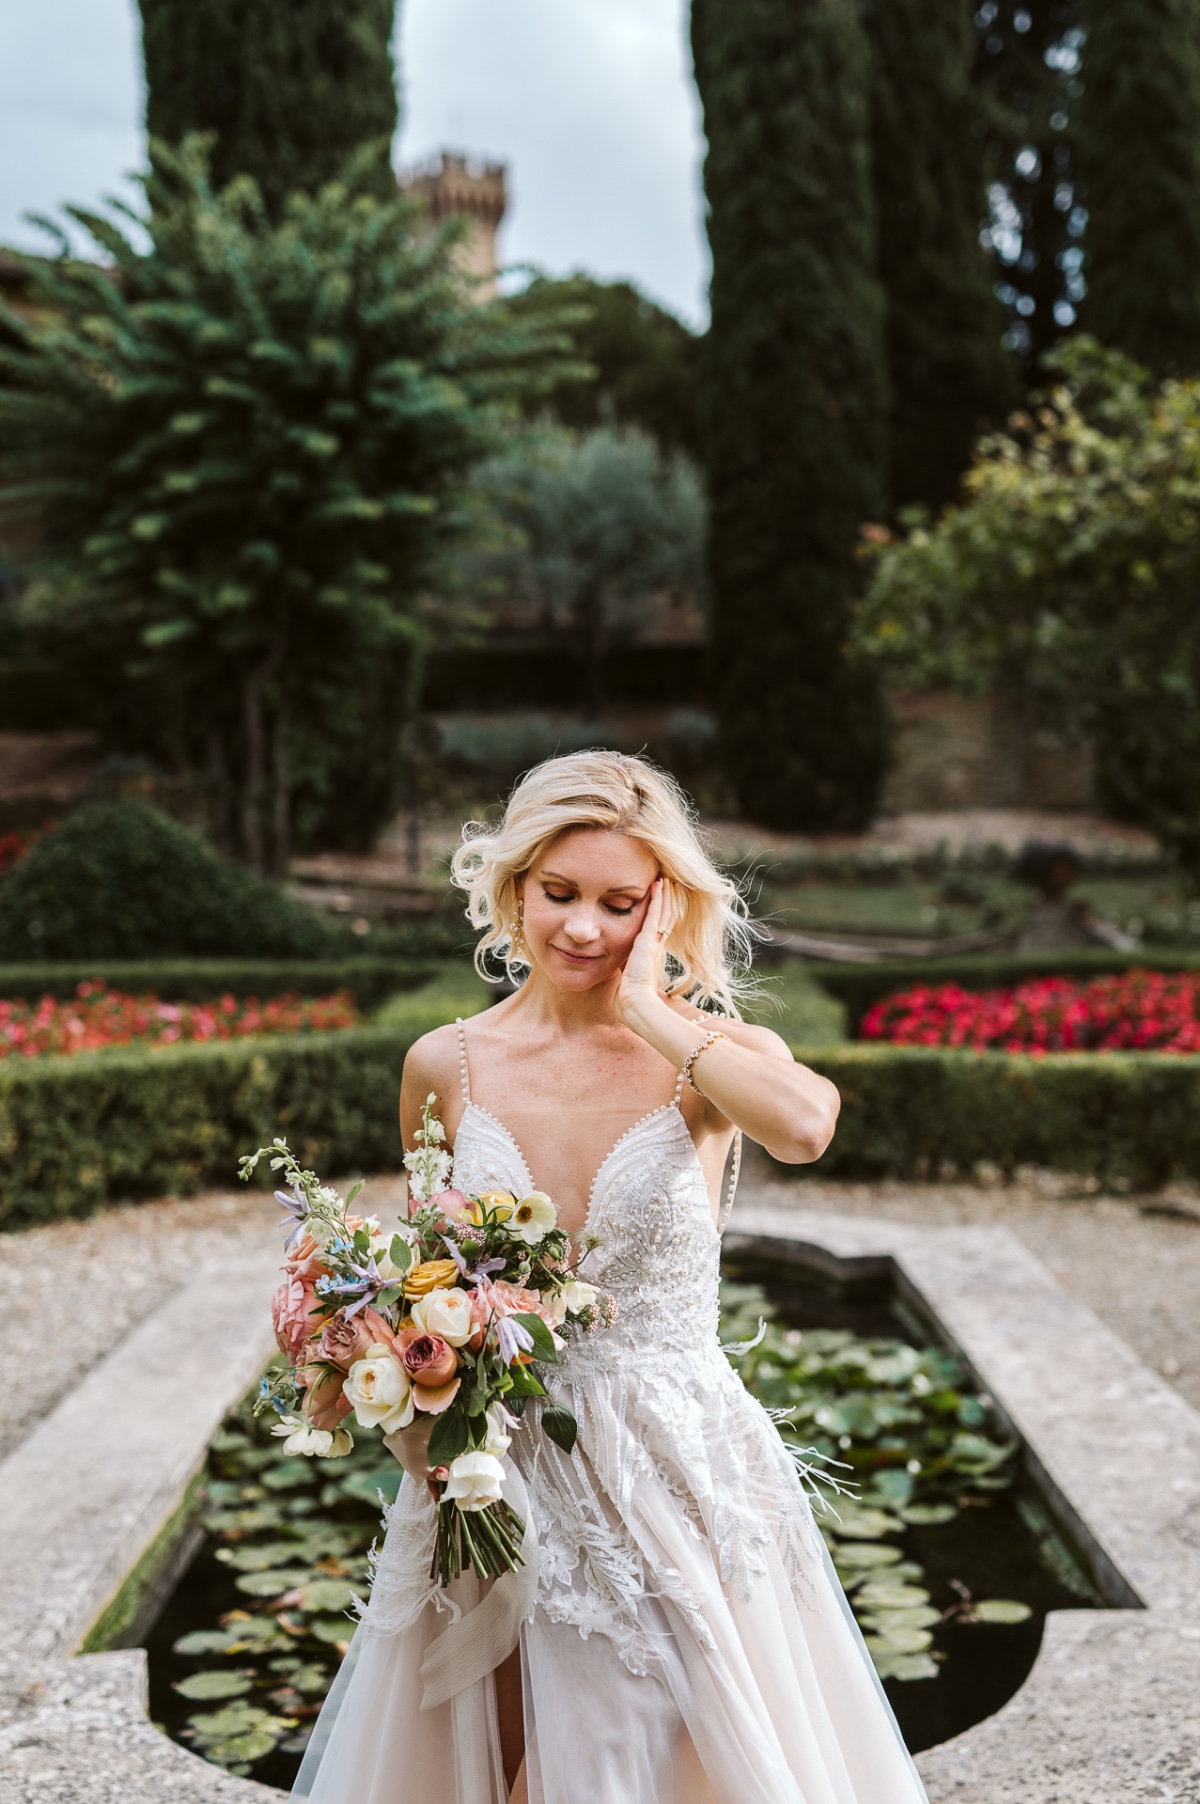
(454, 186)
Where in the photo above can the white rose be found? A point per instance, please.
(378, 1390)
(445, 1312)
(579, 1296)
(476, 1479)
(312, 1441)
(498, 1440)
(533, 1217)
(381, 1242)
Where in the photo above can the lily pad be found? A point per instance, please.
(920, 1616)
(290, 1474)
(327, 1594)
(867, 1553)
(334, 1629)
(899, 1640)
(928, 1515)
(1001, 1609)
(205, 1685)
(883, 1594)
(368, 1485)
(205, 1641)
(865, 1525)
(272, 1583)
(906, 1666)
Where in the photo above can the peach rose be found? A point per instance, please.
(346, 1338)
(429, 1360)
(304, 1259)
(513, 1300)
(327, 1401)
(433, 1400)
(450, 1202)
(295, 1315)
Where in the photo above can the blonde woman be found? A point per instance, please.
(678, 1636)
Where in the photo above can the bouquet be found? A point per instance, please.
(445, 1322)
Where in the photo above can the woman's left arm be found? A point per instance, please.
(751, 1080)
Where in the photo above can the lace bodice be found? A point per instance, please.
(659, 1252)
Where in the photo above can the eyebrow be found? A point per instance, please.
(614, 889)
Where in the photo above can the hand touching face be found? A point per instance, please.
(586, 904)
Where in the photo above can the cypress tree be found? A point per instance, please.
(1139, 159)
(1027, 81)
(290, 91)
(949, 374)
(795, 400)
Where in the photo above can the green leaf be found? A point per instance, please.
(883, 1595)
(543, 1340)
(560, 1425)
(906, 1666)
(400, 1253)
(272, 1584)
(927, 1515)
(204, 1685)
(1001, 1609)
(205, 1641)
(327, 1594)
(866, 1553)
(334, 1629)
(525, 1382)
(449, 1438)
(353, 1192)
(897, 1639)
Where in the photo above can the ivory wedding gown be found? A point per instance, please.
(684, 1638)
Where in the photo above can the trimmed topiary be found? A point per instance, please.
(122, 880)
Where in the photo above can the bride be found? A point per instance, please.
(677, 1635)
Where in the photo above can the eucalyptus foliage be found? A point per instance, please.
(1068, 579)
(247, 444)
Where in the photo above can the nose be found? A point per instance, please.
(581, 926)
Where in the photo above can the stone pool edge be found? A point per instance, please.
(1108, 1714)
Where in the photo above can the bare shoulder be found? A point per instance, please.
(431, 1067)
(742, 1033)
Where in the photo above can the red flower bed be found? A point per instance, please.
(1140, 1011)
(13, 847)
(97, 1017)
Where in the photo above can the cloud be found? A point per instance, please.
(589, 102)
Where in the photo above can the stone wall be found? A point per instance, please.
(951, 753)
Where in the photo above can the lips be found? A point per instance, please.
(578, 958)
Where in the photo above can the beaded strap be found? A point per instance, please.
(703, 1046)
(733, 1182)
(464, 1074)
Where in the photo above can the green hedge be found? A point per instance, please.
(923, 1112)
(858, 986)
(78, 1132)
(204, 979)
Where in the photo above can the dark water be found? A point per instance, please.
(1001, 1545)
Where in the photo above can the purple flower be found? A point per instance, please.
(297, 1214)
(513, 1339)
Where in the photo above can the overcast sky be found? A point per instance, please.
(590, 103)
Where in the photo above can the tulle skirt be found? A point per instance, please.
(689, 1642)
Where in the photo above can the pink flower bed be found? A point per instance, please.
(97, 1017)
(1140, 1011)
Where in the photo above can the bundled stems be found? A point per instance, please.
(486, 1541)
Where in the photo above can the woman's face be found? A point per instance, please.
(585, 901)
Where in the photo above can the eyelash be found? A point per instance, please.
(563, 900)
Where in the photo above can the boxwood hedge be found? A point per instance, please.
(204, 979)
(135, 1122)
(1130, 1117)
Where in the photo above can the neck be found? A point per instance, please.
(568, 1011)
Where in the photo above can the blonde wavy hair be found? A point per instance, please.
(707, 953)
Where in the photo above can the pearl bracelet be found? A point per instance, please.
(694, 1054)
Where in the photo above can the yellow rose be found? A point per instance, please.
(431, 1274)
(497, 1205)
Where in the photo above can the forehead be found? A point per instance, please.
(598, 855)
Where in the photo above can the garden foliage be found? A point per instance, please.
(585, 527)
(96, 1018)
(370, 981)
(122, 880)
(794, 401)
(288, 93)
(248, 443)
(1068, 581)
(1142, 246)
(639, 365)
(949, 376)
(133, 1123)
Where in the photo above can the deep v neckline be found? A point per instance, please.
(666, 1108)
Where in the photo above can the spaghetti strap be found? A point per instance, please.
(464, 1073)
(735, 1172)
(678, 1090)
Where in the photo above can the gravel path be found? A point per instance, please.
(77, 1287)
(1140, 1272)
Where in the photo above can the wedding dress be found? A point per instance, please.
(686, 1640)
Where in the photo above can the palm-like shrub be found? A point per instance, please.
(245, 441)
